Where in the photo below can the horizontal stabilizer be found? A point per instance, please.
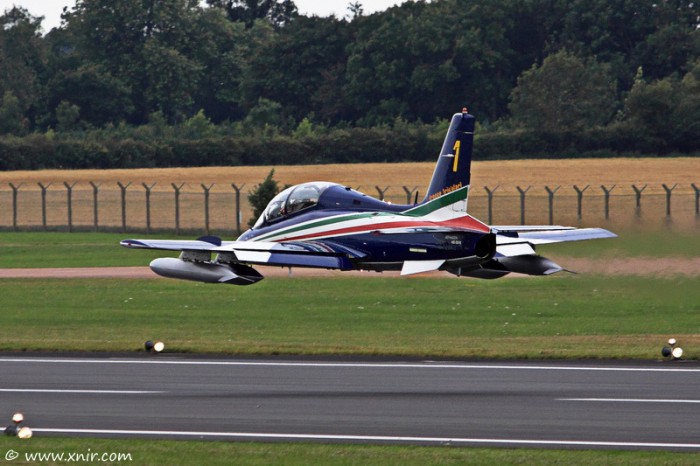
(546, 235)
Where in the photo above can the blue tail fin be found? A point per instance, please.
(453, 168)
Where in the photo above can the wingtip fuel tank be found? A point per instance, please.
(207, 272)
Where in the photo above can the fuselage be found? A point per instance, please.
(380, 235)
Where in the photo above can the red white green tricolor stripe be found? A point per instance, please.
(445, 212)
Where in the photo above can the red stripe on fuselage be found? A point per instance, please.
(466, 223)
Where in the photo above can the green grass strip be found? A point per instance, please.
(552, 317)
(167, 452)
(41, 250)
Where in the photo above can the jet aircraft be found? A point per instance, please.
(330, 226)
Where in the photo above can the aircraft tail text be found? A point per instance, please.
(453, 168)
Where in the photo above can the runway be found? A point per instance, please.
(619, 405)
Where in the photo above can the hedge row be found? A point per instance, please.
(340, 146)
(357, 145)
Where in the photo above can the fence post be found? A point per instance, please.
(489, 193)
(123, 188)
(43, 203)
(238, 206)
(638, 198)
(522, 202)
(579, 195)
(15, 191)
(607, 192)
(409, 193)
(551, 192)
(206, 206)
(668, 198)
(697, 199)
(95, 213)
(177, 206)
(381, 192)
(69, 194)
(148, 206)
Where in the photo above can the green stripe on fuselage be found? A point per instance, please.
(439, 203)
(324, 222)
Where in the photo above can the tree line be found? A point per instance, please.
(163, 82)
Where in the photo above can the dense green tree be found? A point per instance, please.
(355, 9)
(302, 67)
(143, 69)
(268, 118)
(421, 60)
(170, 80)
(277, 12)
(146, 45)
(22, 59)
(686, 130)
(656, 35)
(67, 116)
(565, 93)
(223, 51)
(102, 98)
(12, 120)
(261, 195)
(668, 50)
(666, 110)
(198, 126)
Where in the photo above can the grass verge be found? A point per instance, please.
(552, 317)
(40, 249)
(157, 452)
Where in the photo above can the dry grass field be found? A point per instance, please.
(508, 175)
(540, 172)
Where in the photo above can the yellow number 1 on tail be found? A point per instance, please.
(456, 149)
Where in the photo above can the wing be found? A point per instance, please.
(321, 254)
(547, 234)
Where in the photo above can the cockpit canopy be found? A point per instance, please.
(292, 200)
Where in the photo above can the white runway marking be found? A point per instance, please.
(369, 438)
(96, 392)
(398, 365)
(629, 400)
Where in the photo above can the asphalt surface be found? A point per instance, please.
(621, 405)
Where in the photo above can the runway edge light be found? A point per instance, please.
(14, 429)
(677, 353)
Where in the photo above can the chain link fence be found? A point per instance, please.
(224, 209)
